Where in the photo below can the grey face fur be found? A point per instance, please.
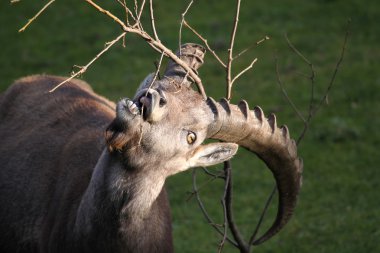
(168, 128)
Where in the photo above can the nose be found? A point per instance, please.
(153, 105)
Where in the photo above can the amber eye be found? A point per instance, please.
(191, 137)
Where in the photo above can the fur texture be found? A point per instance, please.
(56, 194)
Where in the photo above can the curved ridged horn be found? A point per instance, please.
(190, 53)
(250, 129)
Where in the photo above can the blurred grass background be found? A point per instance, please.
(339, 208)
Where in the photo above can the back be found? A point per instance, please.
(39, 132)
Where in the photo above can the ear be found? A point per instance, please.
(211, 154)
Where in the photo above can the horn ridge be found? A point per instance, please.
(258, 112)
(244, 107)
(226, 105)
(272, 122)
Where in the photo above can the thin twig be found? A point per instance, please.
(312, 109)
(227, 174)
(181, 25)
(157, 69)
(152, 20)
(312, 84)
(157, 45)
(243, 71)
(141, 9)
(36, 16)
(206, 43)
(230, 50)
(269, 200)
(206, 171)
(241, 244)
(279, 81)
(337, 66)
(312, 88)
(156, 73)
(128, 12)
(139, 13)
(250, 47)
(297, 51)
(203, 185)
(204, 211)
(84, 68)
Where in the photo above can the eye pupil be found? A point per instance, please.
(191, 137)
(162, 102)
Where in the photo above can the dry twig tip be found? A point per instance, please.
(35, 16)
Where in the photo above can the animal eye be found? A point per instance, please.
(191, 138)
(162, 102)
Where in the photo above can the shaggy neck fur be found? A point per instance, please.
(129, 196)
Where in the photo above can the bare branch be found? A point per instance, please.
(35, 16)
(156, 73)
(337, 66)
(312, 109)
(205, 170)
(204, 184)
(205, 42)
(279, 81)
(152, 20)
(241, 244)
(139, 13)
(250, 47)
(128, 12)
(269, 200)
(141, 9)
(227, 172)
(243, 71)
(84, 68)
(312, 80)
(181, 25)
(230, 50)
(297, 51)
(157, 45)
(204, 211)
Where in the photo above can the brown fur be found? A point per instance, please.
(50, 144)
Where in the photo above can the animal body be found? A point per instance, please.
(81, 174)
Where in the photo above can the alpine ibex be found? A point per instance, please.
(66, 188)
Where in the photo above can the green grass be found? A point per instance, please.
(339, 205)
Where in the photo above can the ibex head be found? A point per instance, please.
(164, 125)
